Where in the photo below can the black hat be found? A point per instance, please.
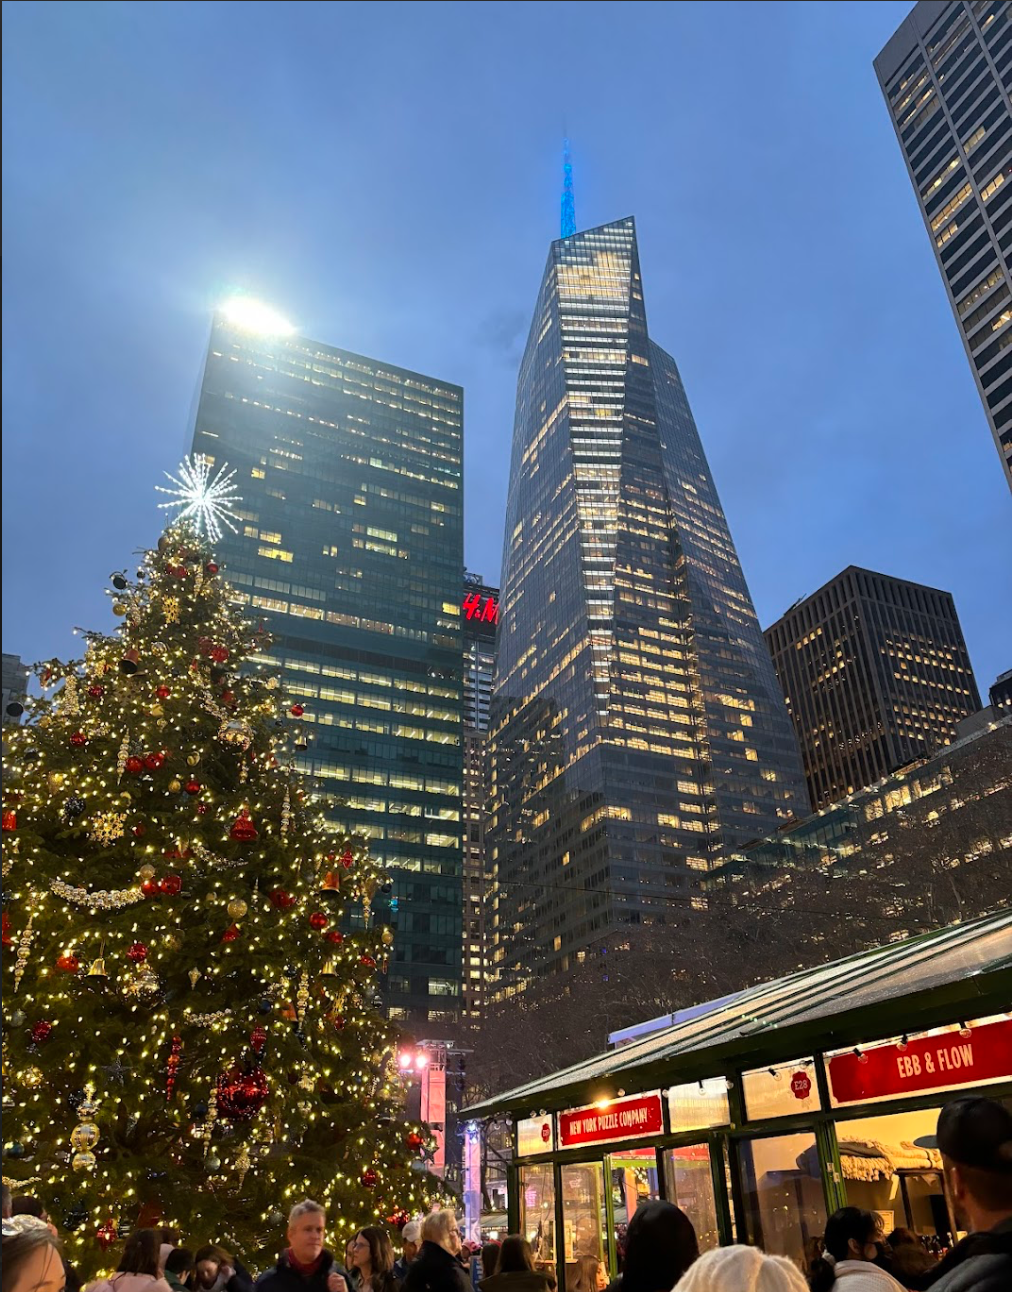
(974, 1132)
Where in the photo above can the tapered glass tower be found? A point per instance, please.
(637, 725)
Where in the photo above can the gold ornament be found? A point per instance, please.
(156, 711)
(193, 759)
(97, 968)
(302, 998)
(118, 608)
(145, 985)
(237, 908)
(242, 1165)
(21, 961)
(103, 899)
(123, 755)
(286, 812)
(157, 648)
(85, 1135)
(107, 827)
(194, 976)
(271, 684)
(212, 1117)
(84, 1161)
(69, 702)
(175, 786)
(31, 1077)
(174, 940)
(329, 969)
(147, 871)
(55, 780)
(234, 731)
(170, 609)
(388, 937)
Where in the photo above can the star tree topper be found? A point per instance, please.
(207, 500)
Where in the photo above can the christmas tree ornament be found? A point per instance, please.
(202, 808)
(147, 871)
(137, 953)
(367, 961)
(173, 941)
(237, 908)
(130, 662)
(75, 1217)
(172, 1067)
(154, 761)
(170, 609)
(234, 731)
(18, 1018)
(134, 765)
(10, 820)
(211, 568)
(107, 1234)
(14, 1149)
(329, 969)
(96, 691)
(369, 1178)
(145, 984)
(74, 807)
(335, 936)
(174, 786)
(170, 885)
(302, 999)
(32, 1077)
(97, 968)
(41, 1031)
(258, 1039)
(158, 648)
(78, 739)
(107, 827)
(387, 937)
(119, 608)
(192, 787)
(21, 960)
(119, 582)
(286, 812)
(243, 830)
(231, 934)
(15, 709)
(124, 754)
(68, 963)
(194, 976)
(69, 702)
(163, 692)
(219, 654)
(241, 1094)
(212, 1163)
(282, 899)
(296, 711)
(347, 859)
(210, 1118)
(330, 885)
(228, 697)
(8, 940)
(193, 759)
(318, 920)
(138, 829)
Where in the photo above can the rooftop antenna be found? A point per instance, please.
(568, 202)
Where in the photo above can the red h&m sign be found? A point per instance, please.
(620, 1119)
(925, 1063)
(476, 606)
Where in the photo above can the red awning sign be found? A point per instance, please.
(620, 1119)
(925, 1063)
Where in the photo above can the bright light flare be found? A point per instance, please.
(254, 316)
(207, 500)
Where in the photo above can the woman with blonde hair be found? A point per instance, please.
(741, 1269)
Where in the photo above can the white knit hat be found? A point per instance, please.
(741, 1269)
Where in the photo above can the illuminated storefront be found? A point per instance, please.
(761, 1116)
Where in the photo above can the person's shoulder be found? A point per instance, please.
(983, 1272)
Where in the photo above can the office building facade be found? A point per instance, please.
(15, 685)
(350, 550)
(479, 621)
(637, 728)
(875, 673)
(946, 74)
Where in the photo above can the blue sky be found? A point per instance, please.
(388, 176)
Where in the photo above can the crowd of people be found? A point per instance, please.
(660, 1252)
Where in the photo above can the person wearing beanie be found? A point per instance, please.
(741, 1269)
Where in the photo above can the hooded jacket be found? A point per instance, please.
(979, 1263)
(435, 1270)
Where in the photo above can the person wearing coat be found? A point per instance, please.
(138, 1267)
(305, 1265)
(849, 1252)
(437, 1267)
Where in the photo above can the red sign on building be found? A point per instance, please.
(619, 1119)
(486, 608)
(925, 1063)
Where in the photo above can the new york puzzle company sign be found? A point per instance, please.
(618, 1119)
(924, 1063)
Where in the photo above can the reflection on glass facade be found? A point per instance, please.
(350, 550)
(637, 728)
(945, 75)
(479, 621)
(876, 673)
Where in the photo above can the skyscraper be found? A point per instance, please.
(876, 673)
(637, 727)
(480, 617)
(15, 679)
(351, 549)
(945, 74)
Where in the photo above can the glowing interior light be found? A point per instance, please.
(207, 500)
(254, 316)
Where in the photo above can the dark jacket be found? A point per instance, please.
(283, 1277)
(980, 1263)
(516, 1281)
(401, 1267)
(434, 1270)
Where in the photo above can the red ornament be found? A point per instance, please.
(335, 936)
(173, 1066)
(138, 830)
(368, 961)
(192, 787)
(414, 1140)
(178, 571)
(282, 900)
(340, 1022)
(153, 761)
(96, 692)
(205, 645)
(258, 1038)
(296, 711)
(318, 920)
(10, 820)
(211, 567)
(347, 860)
(137, 952)
(369, 1178)
(133, 764)
(68, 963)
(162, 692)
(107, 1234)
(219, 654)
(241, 1095)
(228, 697)
(150, 888)
(8, 941)
(78, 739)
(201, 808)
(42, 1031)
(243, 829)
(170, 885)
(231, 933)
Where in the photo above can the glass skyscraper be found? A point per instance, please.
(637, 728)
(351, 551)
(946, 75)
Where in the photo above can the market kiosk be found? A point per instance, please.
(762, 1115)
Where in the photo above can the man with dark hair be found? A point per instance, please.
(975, 1140)
(178, 1269)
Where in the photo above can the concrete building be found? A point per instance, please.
(15, 685)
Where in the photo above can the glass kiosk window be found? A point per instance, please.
(782, 1195)
(584, 1222)
(537, 1214)
(688, 1183)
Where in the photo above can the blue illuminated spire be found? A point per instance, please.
(568, 202)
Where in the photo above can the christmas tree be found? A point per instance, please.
(191, 963)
